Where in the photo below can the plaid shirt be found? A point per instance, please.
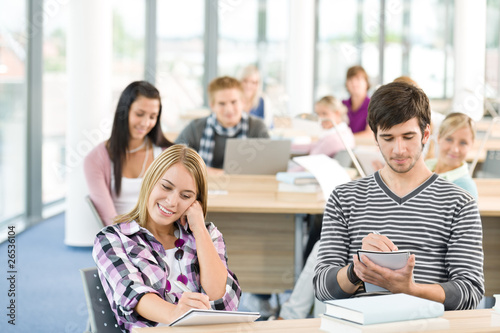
(131, 263)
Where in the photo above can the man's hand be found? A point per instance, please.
(396, 281)
(374, 242)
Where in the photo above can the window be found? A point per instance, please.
(256, 32)
(55, 105)
(492, 79)
(128, 46)
(13, 109)
(417, 43)
(348, 34)
(180, 59)
(238, 36)
(430, 51)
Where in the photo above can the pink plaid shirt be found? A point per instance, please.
(131, 263)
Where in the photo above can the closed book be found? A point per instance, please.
(393, 260)
(310, 188)
(383, 309)
(296, 178)
(331, 324)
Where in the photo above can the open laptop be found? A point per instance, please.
(256, 156)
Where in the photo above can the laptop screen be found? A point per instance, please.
(256, 156)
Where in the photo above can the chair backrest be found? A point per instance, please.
(491, 165)
(101, 318)
(94, 211)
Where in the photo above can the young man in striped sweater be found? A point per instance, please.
(403, 206)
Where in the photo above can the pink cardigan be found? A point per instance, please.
(97, 168)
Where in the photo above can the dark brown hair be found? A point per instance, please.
(118, 142)
(396, 103)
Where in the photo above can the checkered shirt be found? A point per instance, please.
(131, 263)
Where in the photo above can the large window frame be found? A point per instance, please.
(35, 209)
(383, 42)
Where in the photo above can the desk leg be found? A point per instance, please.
(299, 250)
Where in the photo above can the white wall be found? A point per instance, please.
(89, 72)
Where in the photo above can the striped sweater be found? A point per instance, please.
(438, 222)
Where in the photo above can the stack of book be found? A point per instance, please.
(386, 313)
(303, 183)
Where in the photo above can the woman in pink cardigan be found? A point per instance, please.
(114, 169)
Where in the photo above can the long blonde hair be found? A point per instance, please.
(335, 105)
(249, 71)
(455, 121)
(173, 155)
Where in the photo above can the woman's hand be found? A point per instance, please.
(194, 217)
(190, 300)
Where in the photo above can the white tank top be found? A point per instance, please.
(177, 267)
(127, 199)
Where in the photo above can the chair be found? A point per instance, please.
(491, 165)
(94, 211)
(101, 318)
(487, 302)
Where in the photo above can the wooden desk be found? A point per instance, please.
(485, 320)
(489, 196)
(262, 229)
(489, 208)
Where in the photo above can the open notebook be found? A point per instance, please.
(327, 171)
(209, 317)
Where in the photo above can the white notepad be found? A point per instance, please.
(209, 317)
(393, 260)
(326, 170)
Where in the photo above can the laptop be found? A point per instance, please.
(256, 156)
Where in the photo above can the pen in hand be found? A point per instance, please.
(378, 233)
(184, 288)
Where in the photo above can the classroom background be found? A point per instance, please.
(63, 64)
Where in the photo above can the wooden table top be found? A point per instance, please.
(259, 194)
(484, 320)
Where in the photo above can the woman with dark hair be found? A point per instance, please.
(114, 169)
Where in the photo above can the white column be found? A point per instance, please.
(89, 71)
(300, 64)
(469, 50)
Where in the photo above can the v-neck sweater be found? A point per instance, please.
(437, 221)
